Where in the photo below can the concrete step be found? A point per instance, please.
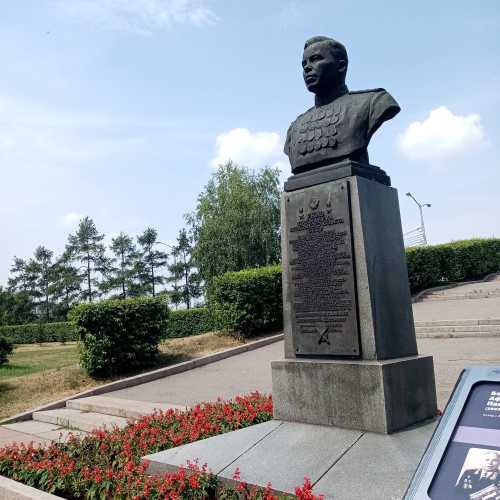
(455, 328)
(80, 420)
(455, 335)
(43, 430)
(460, 322)
(125, 408)
(468, 296)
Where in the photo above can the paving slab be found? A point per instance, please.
(217, 452)
(119, 407)
(62, 435)
(433, 310)
(291, 452)
(76, 419)
(32, 427)
(342, 464)
(8, 436)
(13, 490)
(239, 374)
(378, 467)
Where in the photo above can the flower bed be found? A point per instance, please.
(107, 464)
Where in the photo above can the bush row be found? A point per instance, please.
(187, 322)
(31, 333)
(247, 301)
(119, 336)
(250, 301)
(451, 262)
(6, 349)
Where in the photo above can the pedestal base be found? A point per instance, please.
(377, 396)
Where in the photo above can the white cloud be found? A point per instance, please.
(443, 135)
(140, 16)
(251, 149)
(71, 219)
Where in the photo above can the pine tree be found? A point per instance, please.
(123, 267)
(67, 284)
(35, 278)
(86, 247)
(149, 262)
(183, 273)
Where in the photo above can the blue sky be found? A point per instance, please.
(118, 109)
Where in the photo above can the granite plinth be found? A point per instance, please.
(376, 396)
(385, 327)
(342, 464)
(340, 170)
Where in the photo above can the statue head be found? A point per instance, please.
(324, 64)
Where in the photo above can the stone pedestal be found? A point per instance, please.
(350, 346)
(378, 396)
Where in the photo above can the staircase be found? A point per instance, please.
(458, 328)
(81, 416)
(483, 290)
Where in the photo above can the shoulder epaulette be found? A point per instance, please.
(366, 91)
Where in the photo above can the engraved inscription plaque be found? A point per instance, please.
(321, 270)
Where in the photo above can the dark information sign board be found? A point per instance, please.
(462, 460)
(321, 268)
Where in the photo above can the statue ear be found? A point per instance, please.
(342, 66)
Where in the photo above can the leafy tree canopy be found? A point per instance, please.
(236, 221)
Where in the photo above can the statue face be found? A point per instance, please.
(320, 69)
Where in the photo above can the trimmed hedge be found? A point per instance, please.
(247, 301)
(32, 333)
(6, 349)
(119, 336)
(187, 322)
(452, 262)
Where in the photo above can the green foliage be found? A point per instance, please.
(247, 301)
(31, 333)
(36, 278)
(6, 349)
(86, 248)
(236, 222)
(183, 275)
(148, 263)
(187, 322)
(121, 272)
(118, 336)
(250, 301)
(15, 308)
(451, 262)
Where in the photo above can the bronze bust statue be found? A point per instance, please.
(341, 123)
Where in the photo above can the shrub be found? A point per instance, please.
(451, 262)
(118, 336)
(5, 350)
(186, 322)
(250, 300)
(31, 333)
(247, 301)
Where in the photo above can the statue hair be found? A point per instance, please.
(336, 47)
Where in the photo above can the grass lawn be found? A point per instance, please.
(38, 374)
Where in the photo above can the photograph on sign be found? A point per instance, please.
(470, 468)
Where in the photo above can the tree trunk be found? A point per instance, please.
(88, 277)
(123, 279)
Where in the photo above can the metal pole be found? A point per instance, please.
(420, 208)
(422, 223)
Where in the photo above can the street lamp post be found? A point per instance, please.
(420, 208)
